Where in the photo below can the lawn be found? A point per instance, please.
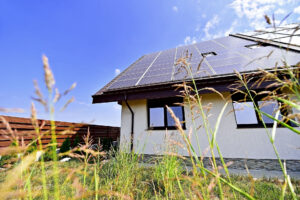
(123, 177)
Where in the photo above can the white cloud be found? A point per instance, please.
(190, 40)
(297, 10)
(117, 72)
(254, 10)
(175, 8)
(221, 33)
(210, 25)
(249, 15)
(210, 31)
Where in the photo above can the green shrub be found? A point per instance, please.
(75, 142)
(106, 144)
(66, 146)
(5, 159)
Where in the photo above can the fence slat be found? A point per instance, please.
(24, 131)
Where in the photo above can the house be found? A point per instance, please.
(146, 86)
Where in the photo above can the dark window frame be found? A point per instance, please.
(207, 54)
(161, 103)
(238, 97)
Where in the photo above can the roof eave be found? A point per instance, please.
(161, 90)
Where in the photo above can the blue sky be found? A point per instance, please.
(89, 42)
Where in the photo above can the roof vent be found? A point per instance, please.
(208, 54)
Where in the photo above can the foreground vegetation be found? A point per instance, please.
(123, 177)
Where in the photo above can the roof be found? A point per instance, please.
(242, 52)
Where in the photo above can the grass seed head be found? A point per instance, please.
(49, 78)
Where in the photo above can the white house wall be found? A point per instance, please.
(250, 143)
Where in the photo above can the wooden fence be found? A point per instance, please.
(23, 130)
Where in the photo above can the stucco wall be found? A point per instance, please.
(251, 143)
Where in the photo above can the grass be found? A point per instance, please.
(123, 177)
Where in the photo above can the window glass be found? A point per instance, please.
(269, 107)
(156, 117)
(245, 113)
(208, 54)
(178, 113)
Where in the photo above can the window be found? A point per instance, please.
(270, 107)
(246, 115)
(208, 54)
(158, 116)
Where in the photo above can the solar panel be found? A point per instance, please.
(221, 57)
(222, 62)
(159, 72)
(228, 69)
(232, 53)
(182, 72)
(181, 76)
(155, 79)
(291, 58)
(161, 65)
(130, 76)
(211, 47)
(183, 50)
(123, 84)
(233, 43)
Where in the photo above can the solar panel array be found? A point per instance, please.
(226, 55)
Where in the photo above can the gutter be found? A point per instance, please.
(132, 123)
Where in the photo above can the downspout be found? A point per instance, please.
(132, 123)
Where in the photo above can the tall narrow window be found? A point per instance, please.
(158, 116)
(178, 111)
(269, 107)
(244, 113)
